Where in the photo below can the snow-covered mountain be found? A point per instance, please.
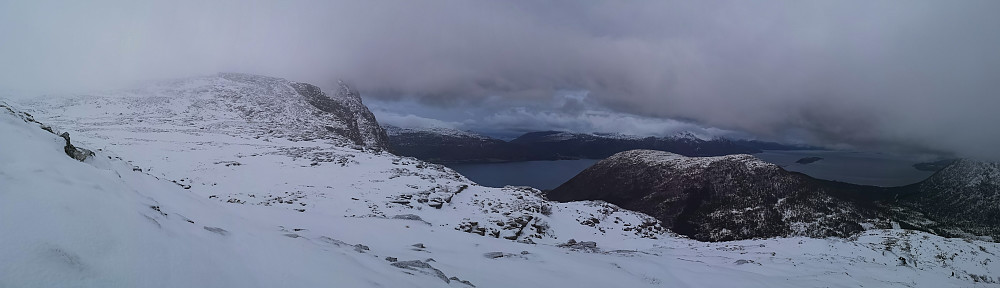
(741, 197)
(209, 195)
(251, 105)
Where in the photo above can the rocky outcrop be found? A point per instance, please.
(74, 152)
(80, 154)
(303, 108)
(723, 198)
(356, 121)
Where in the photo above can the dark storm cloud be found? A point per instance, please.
(910, 74)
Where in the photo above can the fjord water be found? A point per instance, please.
(866, 168)
(537, 174)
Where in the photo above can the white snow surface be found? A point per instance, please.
(168, 204)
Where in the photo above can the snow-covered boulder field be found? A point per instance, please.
(181, 197)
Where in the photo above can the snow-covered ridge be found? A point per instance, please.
(256, 105)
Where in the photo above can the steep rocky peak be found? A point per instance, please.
(345, 90)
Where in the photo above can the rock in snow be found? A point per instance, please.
(104, 223)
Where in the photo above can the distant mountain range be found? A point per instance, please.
(741, 197)
(443, 145)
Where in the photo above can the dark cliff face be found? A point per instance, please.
(358, 123)
(722, 198)
(264, 100)
(739, 197)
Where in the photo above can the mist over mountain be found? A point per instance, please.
(562, 143)
(861, 74)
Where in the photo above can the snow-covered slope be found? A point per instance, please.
(103, 223)
(220, 207)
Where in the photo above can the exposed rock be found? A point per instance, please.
(422, 267)
(74, 152)
(466, 282)
(360, 248)
(357, 123)
(216, 230)
(743, 261)
(493, 255)
(410, 217)
(588, 246)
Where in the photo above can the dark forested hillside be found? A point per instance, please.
(740, 197)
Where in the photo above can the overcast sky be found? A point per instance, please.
(921, 75)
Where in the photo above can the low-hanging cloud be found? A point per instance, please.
(914, 74)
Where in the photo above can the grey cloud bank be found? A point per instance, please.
(917, 75)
